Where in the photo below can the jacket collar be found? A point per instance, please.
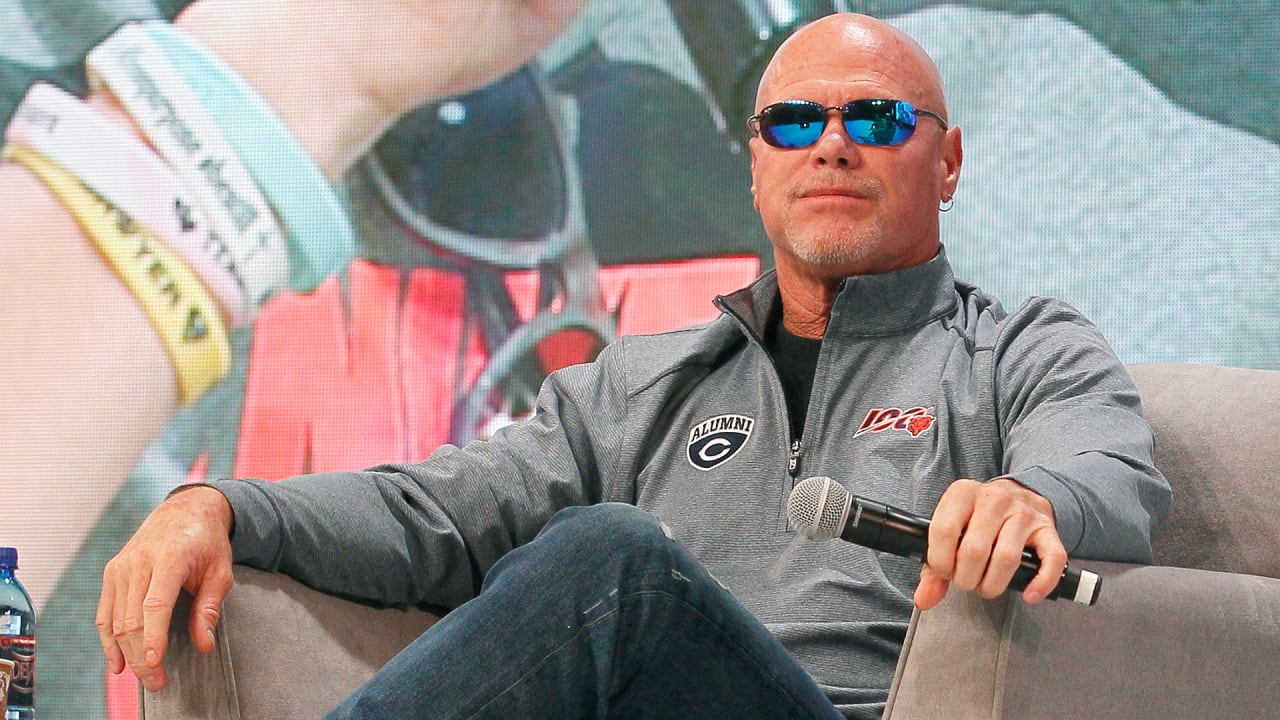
(867, 305)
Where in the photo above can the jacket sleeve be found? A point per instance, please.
(1072, 429)
(425, 534)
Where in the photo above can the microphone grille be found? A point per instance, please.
(817, 508)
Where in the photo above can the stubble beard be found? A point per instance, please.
(834, 248)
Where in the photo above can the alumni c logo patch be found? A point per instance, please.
(715, 441)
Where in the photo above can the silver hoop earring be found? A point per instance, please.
(947, 204)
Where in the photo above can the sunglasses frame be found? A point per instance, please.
(894, 107)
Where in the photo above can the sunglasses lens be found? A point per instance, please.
(799, 123)
(792, 124)
(879, 122)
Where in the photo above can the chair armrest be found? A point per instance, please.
(283, 651)
(1161, 643)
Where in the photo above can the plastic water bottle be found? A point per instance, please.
(17, 638)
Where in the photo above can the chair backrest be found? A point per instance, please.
(1217, 440)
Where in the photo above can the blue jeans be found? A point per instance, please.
(601, 616)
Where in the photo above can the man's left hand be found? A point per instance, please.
(977, 536)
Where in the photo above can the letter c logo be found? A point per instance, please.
(715, 449)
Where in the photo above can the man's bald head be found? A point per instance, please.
(850, 38)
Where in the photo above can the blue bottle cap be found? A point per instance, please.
(9, 557)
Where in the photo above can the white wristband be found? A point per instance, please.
(136, 71)
(321, 237)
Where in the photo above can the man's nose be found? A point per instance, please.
(835, 147)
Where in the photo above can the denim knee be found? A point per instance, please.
(611, 527)
(588, 550)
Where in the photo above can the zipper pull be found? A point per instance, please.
(793, 461)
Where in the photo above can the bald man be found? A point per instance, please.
(625, 552)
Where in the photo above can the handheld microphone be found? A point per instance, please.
(821, 509)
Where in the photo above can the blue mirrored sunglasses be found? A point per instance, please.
(799, 123)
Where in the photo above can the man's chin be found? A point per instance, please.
(834, 253)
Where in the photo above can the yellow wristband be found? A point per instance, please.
(171, 294)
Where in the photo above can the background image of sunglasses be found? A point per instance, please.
(434, 175)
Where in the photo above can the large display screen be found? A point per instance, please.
(1122, 156)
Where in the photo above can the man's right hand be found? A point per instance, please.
(184, 544)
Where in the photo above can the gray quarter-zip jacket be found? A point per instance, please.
(921, 380)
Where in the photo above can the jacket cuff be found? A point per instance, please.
(255, 540)
(1068, 513)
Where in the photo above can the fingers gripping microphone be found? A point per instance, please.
(821, 509)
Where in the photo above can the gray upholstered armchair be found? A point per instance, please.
(1197, 636)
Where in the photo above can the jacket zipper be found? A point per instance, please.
(794, 444)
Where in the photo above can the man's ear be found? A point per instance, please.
(752, 150)
(952, 158)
